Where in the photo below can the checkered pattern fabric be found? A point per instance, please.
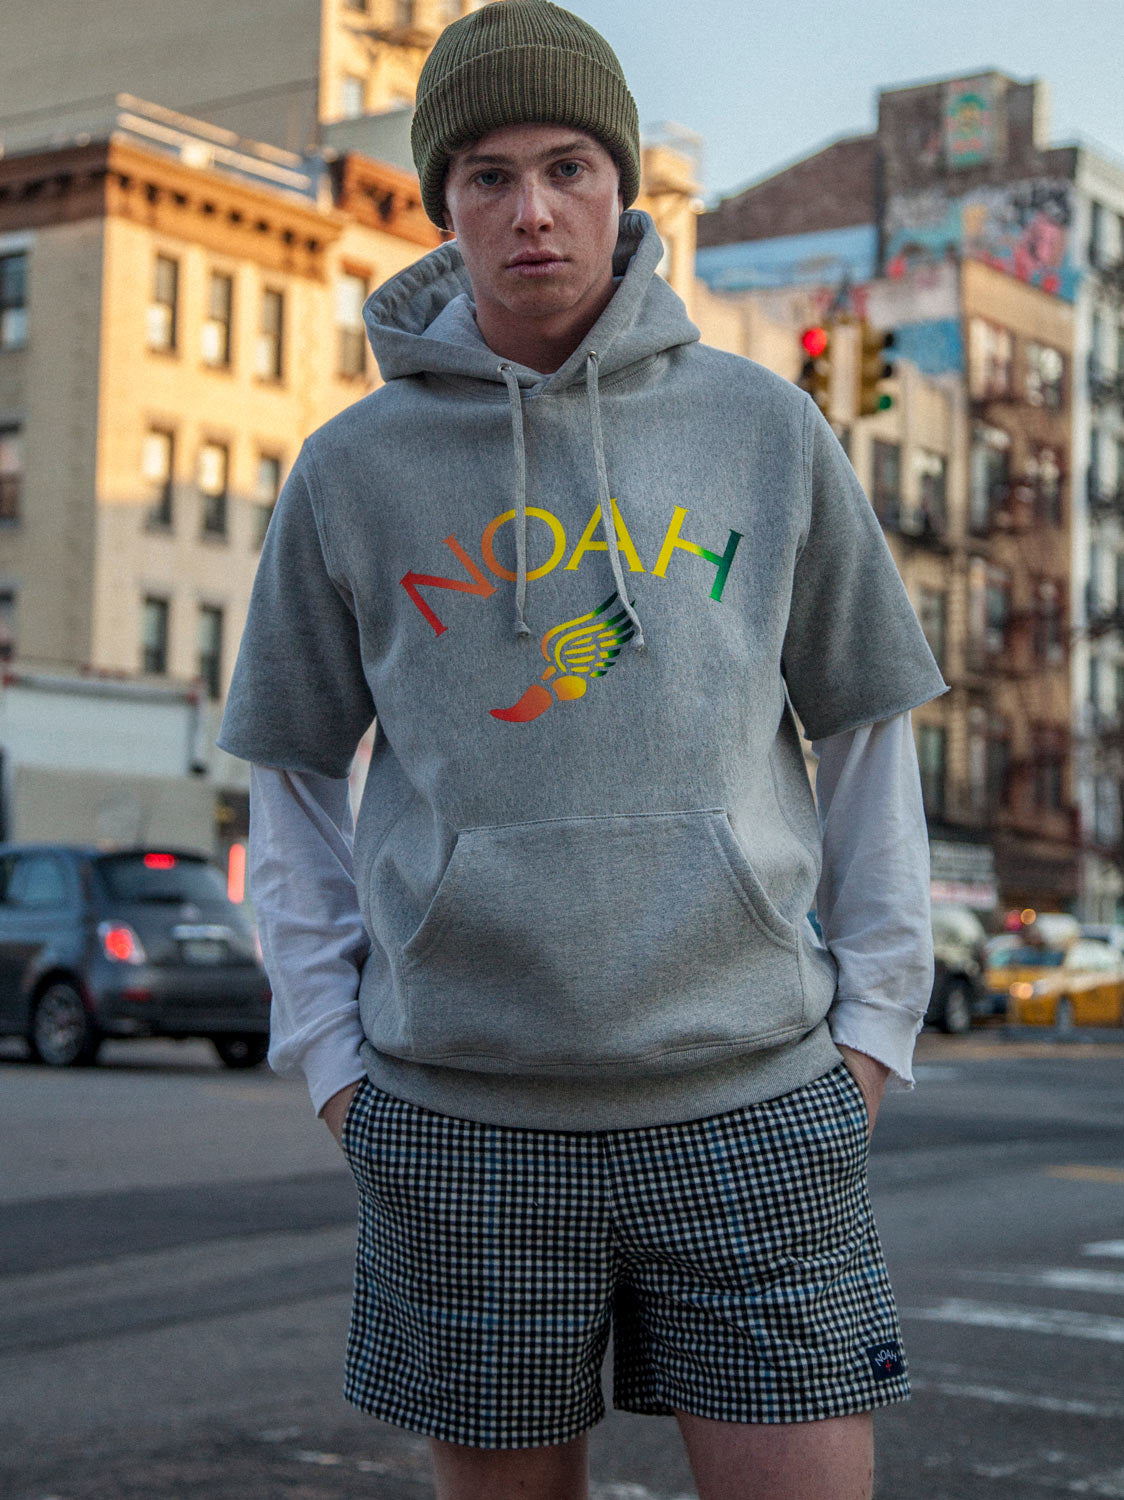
(735, 1260)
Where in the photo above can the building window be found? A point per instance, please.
(1049, 769)
(886, 480)
(991, 353)
(158, 468)
(1096, 233)
(1044, 474)
(356, 4)
(351, 293)
(931, 759)
(216, 329)
(934, 617)
(214, 473)
(1095, 686)
(162, 308)
(1049, 623)
(403, 13)
(13, 301)
(932, 489)
(154, 636)
(351, 96)
(1045, 375)
(7, 624)
(998, 761)
(11, 472)
(1118, 690)
(266, 490)
(991, 476)
(998, 610)
(209, 640)
(270, 341)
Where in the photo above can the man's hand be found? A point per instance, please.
(870, 1075)
(333, 1112)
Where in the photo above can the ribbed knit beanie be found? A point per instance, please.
(519, 62)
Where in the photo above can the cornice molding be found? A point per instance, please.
(117, 179)
(379, 196)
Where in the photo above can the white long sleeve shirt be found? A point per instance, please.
(872, 905)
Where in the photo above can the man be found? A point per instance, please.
(569, 1020)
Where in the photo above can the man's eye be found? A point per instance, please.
(569, 168)
(488, 178)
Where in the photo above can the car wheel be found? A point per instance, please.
(1063, 1017)
(241, 1051)
(956, 1013)
(62, 1034)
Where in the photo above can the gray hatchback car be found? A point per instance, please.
(134, 943)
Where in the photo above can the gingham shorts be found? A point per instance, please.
(735, 1260)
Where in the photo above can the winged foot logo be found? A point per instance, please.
(579, 649)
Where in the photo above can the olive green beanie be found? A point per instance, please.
(518, 62)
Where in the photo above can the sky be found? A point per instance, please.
(766, 82)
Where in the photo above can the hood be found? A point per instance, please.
(421, 321)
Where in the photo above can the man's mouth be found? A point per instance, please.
(536, 263)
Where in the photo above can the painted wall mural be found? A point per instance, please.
(1023, 228)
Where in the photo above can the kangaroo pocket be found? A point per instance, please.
(577, 945)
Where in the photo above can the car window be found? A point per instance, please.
(158, 877)
(1029, 957)
(1091, 955)
(37, 880)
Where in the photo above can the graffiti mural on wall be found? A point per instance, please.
(1022, 228)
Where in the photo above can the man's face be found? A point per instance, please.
(535, 211)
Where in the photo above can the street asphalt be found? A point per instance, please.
(175, 1266)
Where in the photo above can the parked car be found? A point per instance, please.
(1083, 986)
(958, 966)
(135, 943)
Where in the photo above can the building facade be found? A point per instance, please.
(170, 332)
(959, 181)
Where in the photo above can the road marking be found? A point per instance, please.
(956, 1049)
(1056, 1321)
(1078, 1173)
(1110, 1249)
(1063, 1279)
(998, 1397)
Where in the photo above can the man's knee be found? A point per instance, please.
(559, 1472)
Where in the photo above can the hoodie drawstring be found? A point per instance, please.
(604, 499)
(516, 399)
(608, 524)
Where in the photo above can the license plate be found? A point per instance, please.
(203, 951)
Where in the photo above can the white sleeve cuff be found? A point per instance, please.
(880, 1028)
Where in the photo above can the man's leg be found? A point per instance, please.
(829, 1460)
(555, 1473)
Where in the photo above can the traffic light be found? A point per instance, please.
(874, 368)
(815, 373)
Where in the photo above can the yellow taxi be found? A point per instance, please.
(1081, 984)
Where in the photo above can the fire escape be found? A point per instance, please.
(1102, 733)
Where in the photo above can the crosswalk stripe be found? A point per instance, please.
(1064, 1279)
(1057, 1321)
(998, 1397)
(1109, 1249)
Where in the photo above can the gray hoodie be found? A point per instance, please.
(583, 606)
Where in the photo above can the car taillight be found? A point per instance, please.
(120, 943)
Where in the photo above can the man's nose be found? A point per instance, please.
(532, 207)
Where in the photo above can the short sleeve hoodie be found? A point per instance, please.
(584, 607)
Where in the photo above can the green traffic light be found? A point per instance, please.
(885, 402)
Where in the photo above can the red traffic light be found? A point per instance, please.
(814, 341)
